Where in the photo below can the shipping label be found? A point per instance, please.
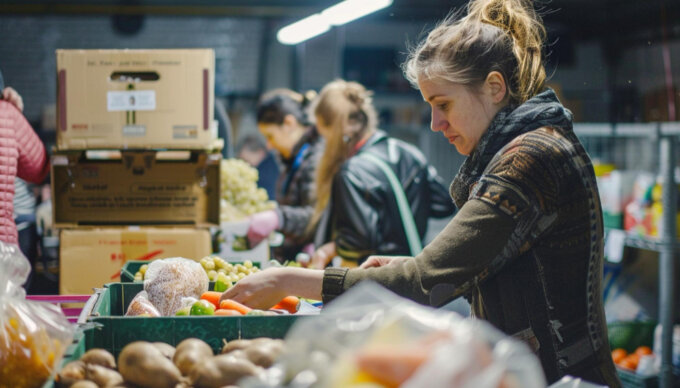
(132, 100)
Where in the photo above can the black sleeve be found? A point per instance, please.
(441, 203)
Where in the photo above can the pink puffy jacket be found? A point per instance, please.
(22, 154)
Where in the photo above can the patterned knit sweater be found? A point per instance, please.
(525, 247)
(22, 154)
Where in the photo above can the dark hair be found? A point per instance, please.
(275, 105)
(2, 84)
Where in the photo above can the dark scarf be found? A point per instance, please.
(543, 110)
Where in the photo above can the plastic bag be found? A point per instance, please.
(167, 281)
(141, 305)
(33, 335)
(372, 337)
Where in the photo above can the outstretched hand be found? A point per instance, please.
(261, 225)
(264, 289)
(260, 290)
(13, 97)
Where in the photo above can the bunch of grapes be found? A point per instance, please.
(240, 195)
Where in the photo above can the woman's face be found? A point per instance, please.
(459, 113)
(281, 137)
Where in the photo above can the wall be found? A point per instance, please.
(28, 62)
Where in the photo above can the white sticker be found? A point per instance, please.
(131, 100)
(134, 130)
(613, 247)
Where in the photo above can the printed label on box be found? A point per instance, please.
(184, 132)
(134, 130)
(131, 100)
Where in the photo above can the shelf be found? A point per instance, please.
(640, 242)
(652, 130)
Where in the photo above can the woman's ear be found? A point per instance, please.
(289, 120)
(496, 86)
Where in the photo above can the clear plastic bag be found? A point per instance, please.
(33, 335)
(142, 306)
(372, 337)
(167, 281)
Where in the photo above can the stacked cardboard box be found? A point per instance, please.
(136, 172)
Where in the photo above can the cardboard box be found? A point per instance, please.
(107, 188)
(94, 257)
(137, 99)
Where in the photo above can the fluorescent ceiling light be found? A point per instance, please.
(339, 14)
(348, 10)
(304, 29)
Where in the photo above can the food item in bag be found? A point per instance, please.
(170, 280)
(33, 335)
(142, 306)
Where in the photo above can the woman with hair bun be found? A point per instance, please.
(526, 246)
(283, 120)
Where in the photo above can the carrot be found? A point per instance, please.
(230, 304)
(289, 303)
(212, 297)
(227, 312)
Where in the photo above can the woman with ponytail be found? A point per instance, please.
(526, 246)
(357, 212)
(283, 120)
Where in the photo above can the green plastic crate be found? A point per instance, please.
(632, 380)
(631, 334)
(113, 333)
(131, 267)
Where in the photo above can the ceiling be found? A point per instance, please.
(612, 20)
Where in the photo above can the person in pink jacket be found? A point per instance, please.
(22, 154)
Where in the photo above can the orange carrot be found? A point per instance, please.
(289, 303)
(227, 312)
(212, 297)
(230, 304)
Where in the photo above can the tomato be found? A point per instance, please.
(618, 355)
(643, 351)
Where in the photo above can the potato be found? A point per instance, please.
(190, 352)
(144, 365)
(167, 350)
(102, 376)
(71, 373)
(99, 357)
(261, 355)
(84, 384)
(221, 370)
(237, 344)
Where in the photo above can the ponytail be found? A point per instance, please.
(496, 35)
(346, 109)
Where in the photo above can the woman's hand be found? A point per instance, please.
(323, 256)
(379, 261)
(264, 289)
(13, 97)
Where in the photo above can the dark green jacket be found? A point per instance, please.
(525, 246)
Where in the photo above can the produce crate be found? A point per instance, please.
(113, 333)
(130, 268)
(632, 380)
(629, 335)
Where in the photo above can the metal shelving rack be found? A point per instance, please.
(666, 134)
